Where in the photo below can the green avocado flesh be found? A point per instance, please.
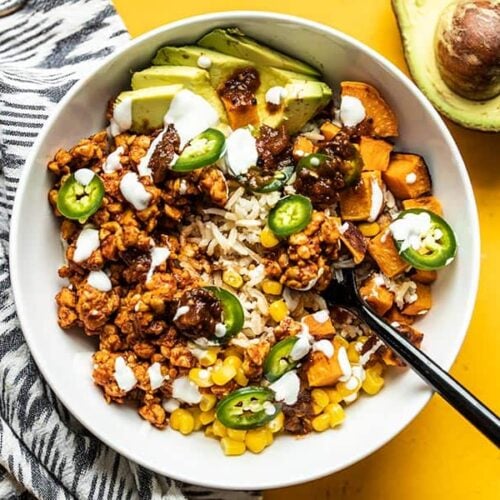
(305, 94)
(417, 20)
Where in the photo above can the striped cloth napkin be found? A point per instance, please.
(44, 48)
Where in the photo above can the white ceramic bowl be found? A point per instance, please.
(64, 358)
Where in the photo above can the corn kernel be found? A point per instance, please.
(236, 434)
(352, 353)
(200, 377)
(207, 417)
(341, 341)
(181, 420)
(278, 310)
(316, 408)
(221, 375)
(268, 238)
(348, 388)
(232, 278)
(256, 440)
(335, 413)
(207, 402)
(320, 397)
(369, 229)
(233, 361)
(378, 368)
(209, 431)
(373, 382)
(219, 429)
(272, 287)
(241, 378)
(209, 357)
(231, 447)
(277, 423)
(270, 437)
(196, 412)
(321, 422)
(333, 395)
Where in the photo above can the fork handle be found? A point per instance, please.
(441, 381)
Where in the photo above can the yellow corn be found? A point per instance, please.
(207, 417)
(257, 439)
(268, 238)
(320, 397)
(200, 377)
(236, 435)
(345, 391)
(316, 409)
(231, 447)
(278, 310)
(181, 420)
(196, 412)
(352, 353)
(335, 413)
(321, 422)
(232, 351)
(373, 382)
(207, 402)
(378, 368)
(232, 278)
(342, 342)
(270, 437)
(241, 378)
(333, 395)
(272, 287)
(209, 357)
(277, 423)
(209, 431)
(219, 429)
(221, 375)
(369, 229)
(233, 361)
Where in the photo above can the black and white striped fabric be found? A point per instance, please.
(44, 452)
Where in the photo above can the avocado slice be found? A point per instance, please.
(149, 106)
(417, 22)
(194, 79)
(233, 42)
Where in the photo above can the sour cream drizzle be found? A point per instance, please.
(275, 95)
(99, 280)
(185, 390)
(112, 163)
(352, 111)
(324, 346)
(411, 229)
(377, 201)
(155, 376)
(84, 176)
(134, 191)
(302, 347)
(158, 256)
(124, 375)
(241, 151)
(287, 388)
(122, 117)
(86, 243)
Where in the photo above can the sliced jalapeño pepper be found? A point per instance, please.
(77, 200)
(313, 161)
(290, 215)
(232, 312)
(247, 408)
(259, 183)
(433, 248)
(351, 167)
(278, 361)
(205, 149)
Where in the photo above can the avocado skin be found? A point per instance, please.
(233, 42)
(417, 22)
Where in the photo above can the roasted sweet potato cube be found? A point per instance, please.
(385, 123)
(303, 147)
(322, 371)
(240, 116)
(319, 324)
(426, 202)
(412, 334)
(375, 153)
(376, 296)
(425, 277)
(356, 201)
(329, 130)
(384, 252)
(423, 302)
(354, 240)
(394, 315)
(407, 176)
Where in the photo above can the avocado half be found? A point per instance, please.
(417, 22)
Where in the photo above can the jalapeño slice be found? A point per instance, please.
(247, 408)
(259, 183)
(232, 312)
(278, 361)
(205, 149)
(290, 215)
(80, 196)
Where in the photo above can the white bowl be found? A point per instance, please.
(64, 358)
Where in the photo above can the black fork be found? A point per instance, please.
(345, 293)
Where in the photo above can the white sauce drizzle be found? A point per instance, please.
(411, 178)
(122, 117)
(112, 163)
(368, 354)
(241, 151)
(134, 191)
(315, 162)
(302, 347)
(220, 330)
(345, 365)
(124, 375)
(180, 312)
(269, 408)
(170, 405)
(158, 256)
(324, 346)
(185, 390)
(84, 176)
(86, 244)
(275, 95)
(352, 111)
(204, 62)
(321, 316)
(411, 229)
(155, 376)
(377, 201)
(99, 280)
(287, 388)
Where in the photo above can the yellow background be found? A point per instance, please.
(438, 455)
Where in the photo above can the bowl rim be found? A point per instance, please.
(233, 16)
